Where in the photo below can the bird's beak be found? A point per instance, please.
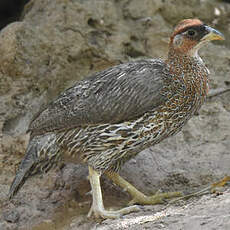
(212, 34)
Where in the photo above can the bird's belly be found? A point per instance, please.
(108, 146)
(170, 118)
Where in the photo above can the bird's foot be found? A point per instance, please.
(97, 209)
(218, 186)
(214, 188)
(139, 197)
(104, 214)
(158, 198)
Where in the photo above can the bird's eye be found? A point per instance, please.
(191, 33)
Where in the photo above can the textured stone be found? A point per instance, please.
(11, 216)
(58, 42)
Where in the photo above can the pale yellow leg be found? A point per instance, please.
(139, 197)
(97, 208)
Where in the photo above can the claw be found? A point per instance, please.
(104, 214)
(132, 202)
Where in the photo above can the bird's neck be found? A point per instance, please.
(189, 69)
(177, 59)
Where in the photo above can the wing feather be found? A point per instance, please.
(120, 93)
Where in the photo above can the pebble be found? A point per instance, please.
(11, 216)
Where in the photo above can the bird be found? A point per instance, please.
(109, 117)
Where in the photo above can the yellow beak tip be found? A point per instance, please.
(213, 34)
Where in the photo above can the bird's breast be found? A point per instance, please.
(185, 95)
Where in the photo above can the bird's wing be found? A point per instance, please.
(120, 93)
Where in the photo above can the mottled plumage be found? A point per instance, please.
(112, 115)
(97, 99)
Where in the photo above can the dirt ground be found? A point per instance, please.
(56, 43)
(60, 200)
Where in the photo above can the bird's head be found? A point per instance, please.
(191, 34)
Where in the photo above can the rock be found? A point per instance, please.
(193, 215)
(11, 216)
(59, 42)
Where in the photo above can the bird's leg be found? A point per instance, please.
(97, 208)
(139, 197)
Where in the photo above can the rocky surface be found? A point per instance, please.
(58, 42)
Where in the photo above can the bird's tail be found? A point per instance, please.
(24, 171)
(41, 155)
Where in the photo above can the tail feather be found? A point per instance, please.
(41, 155)
(24, 171)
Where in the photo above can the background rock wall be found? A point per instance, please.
(58, 42)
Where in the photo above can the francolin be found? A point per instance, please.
(108, 118)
